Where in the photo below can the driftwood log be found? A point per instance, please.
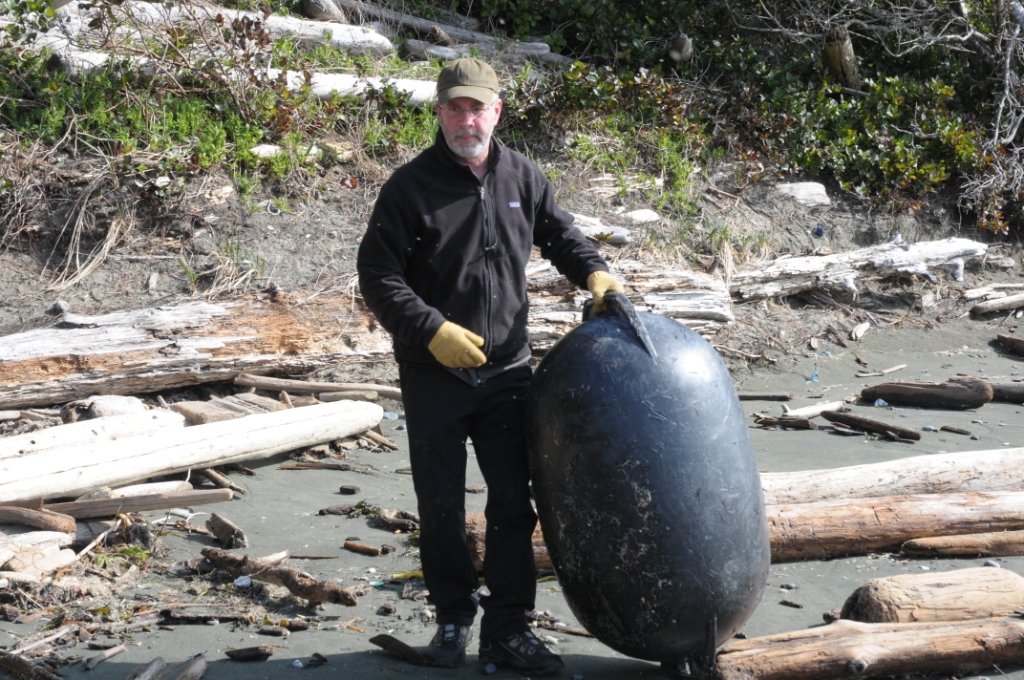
(956, 393)
(71, 472)
(150, 671)
(1008, 391)
(108, 507)
(88, 432)
(307, 387)
(44, 520)
(850, 649)
(862, 525)
(476, 532)
(297, 582)
(999, 304)
(1014, 344)
(993, 544)
(868, 425)
(812, 411)
(787, 276)
(959, 595)
(993, 470)
(23, 669)
(227, 532)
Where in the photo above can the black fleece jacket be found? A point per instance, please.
(444, 246)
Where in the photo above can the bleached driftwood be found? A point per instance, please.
(959, 595)
(990, 544)
(787, 276)
(850, 649)
(594, 228)
(990, 291)
(327, 85)
(994, 470)
(366, 11)
(159, 348)
(862, 525)
(96, 430)
(999, 304)
(697, 300)
(72, 472)
(814, 410)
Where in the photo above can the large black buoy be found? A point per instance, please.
(647, 486)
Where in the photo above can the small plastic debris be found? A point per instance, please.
(400, 428)
(819, 231)
(881, 403)
(297, 664)
(992, 563)
(490, 669)
(814, 378)
(923, 568)
(371, 570)
(377, 584)
(390, 415)
(243, 582)
(824, 353)
(1006, 443)
(975, 437)
(928, 428)
(213, 622)
(788, 586)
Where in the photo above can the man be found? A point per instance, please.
(443, 267)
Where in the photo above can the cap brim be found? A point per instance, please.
(481, 94)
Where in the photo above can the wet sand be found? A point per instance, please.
(280, 513)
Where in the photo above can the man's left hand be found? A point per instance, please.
(599, 283)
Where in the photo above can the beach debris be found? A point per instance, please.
(190, 669)
(23, 668)
(813, 378)
(275, 631)
(227, 532)
(1012, 392)
(337, 510)
(103, 656)
(887, 371)
(813, 411)
(261, 653)
(219, 480)
(954, 430)
(958, 595)
(765, 396)
(859, 330)
(400, 650)
(348, 490)
(150, 671)
(262, 382)
(1011, 343)
(786, 423)
(297, 582)
(362, 549)
(45, 520)
(866, 424)
(957, 393)
(398, 520)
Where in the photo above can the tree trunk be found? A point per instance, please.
(995, 470)
(87, 432)
(996, 544)
(978, 593)
(848, 649)
(862, 525)
(840, 270)
(839, 57)
(999, 304)
(960, 394)
(71, 472)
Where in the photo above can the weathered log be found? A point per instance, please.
(423, 26)
(350, 395)
(23, 669)
(787, 276)
(849, 649)
(993, 470)
(994, 544)
(839, 57)
(261, 653)
(103, 656)
(989, 289)
(1008, 391)
(871, 425)
(64, 472)
(812, 411)
(330, 85)
(400, 650)
(150, 350)
(764, 396)
(959, 394)
(362, 549)
(220, 480)
(476, 532)
(788, 423)
(297, 582)
(193, 669)
(85, 433)
(862, 525)
(37, 519)
(999, 304)
(150, 489)
(1015, 345)
(43, 564)
(960, 595)
(262, 382)
(150, 671)
(227, 532)
(108, 507)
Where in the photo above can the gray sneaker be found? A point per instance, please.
(522, 651)
(448, 647)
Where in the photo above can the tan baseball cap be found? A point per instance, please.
(467, 77)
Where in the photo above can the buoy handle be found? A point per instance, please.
(618, 305)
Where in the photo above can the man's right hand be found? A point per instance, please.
(457, 347)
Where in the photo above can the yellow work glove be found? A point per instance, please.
(600, 283)
(456, 347)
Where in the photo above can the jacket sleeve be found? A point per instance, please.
(560, 241)
(389, 241)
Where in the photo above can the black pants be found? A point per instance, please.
(441, 412)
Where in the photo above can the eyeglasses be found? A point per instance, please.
(456, 112)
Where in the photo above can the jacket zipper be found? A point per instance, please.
(487, 268)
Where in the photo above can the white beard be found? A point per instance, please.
(466, 145)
